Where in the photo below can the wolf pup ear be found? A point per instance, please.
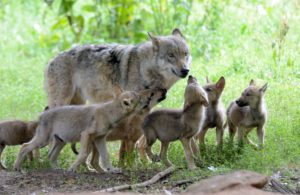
(251, 82)
(177, 32)
(192, 79)
(221, 83)
(155, 41)
(207, 80)
(117, 90)
(264, 88)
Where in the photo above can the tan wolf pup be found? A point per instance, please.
(169, 125)
(130, 131)
(89, 72)
(16, 132)
(215, 114)
(89, 124)
(247, 112)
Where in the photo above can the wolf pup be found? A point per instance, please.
(89, 124)
(215, 114)
(130, 131)
(247, 112)
(170, 125)
(89, 72)
(15, 132)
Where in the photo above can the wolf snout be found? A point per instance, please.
(184, 72)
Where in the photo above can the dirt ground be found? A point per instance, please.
(47, 181)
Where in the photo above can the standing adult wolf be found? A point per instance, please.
(89, 72)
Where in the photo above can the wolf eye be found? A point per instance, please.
(185, 53)
(208, 89)
(170, 55)
(248, 94)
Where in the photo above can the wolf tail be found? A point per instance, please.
(73, 147)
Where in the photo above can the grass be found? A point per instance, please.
(244, 43)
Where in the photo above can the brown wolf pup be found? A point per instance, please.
(89, 72)
(16, 132)
(215, 114)
(247, 112)
(170, 125)
(89, 124)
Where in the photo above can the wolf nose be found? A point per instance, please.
(184, 72)
(237, 102)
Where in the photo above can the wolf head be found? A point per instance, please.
(172, 54)
(252, 95)
(194, 93)
(135, 101)
(214, 90)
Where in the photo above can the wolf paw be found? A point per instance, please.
(113, 170)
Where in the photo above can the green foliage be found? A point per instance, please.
(239, 40)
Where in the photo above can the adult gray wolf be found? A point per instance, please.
(215, 115)
(16, 132)
(89, 124)
(247, 112)
(89, 72)
(170, 124)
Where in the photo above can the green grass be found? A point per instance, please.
(237, 45)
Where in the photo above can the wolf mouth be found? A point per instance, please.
(174, 72)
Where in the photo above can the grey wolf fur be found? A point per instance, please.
(89, 72)
(215, 114)
(15, 132)
(247, 112)
(89, 124)
(170, 125)
(129, 131)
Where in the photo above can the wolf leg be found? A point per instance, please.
(219, 135)
(36, 142)
(164, 153)
(186, 143)
(2, 146)
(95, 159)
(261, 136)
(57, 146)
(201, 136)
(85, 142)
(102, 150)
(141, 146)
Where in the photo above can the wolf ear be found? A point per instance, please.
(221, 83)
(251, 82)
(191, 79)
(176, 32)
(264, 88)
(155, 41)
(117, 90)
(207, 80)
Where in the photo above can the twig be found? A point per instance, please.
(281, 188)
(153, 180)
(182, 182)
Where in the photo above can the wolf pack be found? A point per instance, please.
(107, 92)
